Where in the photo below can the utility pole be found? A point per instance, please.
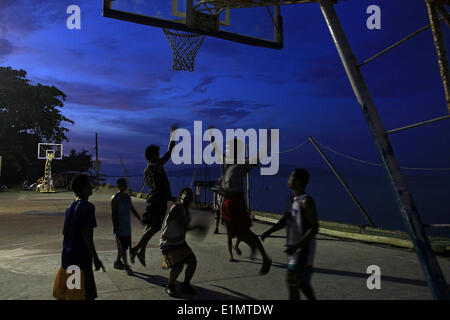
(96, 154)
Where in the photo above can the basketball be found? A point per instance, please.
(200, 224)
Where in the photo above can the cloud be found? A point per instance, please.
(202, 86)
(6, 48)
(23, 17)
(154, 126)
(326, 77)
(106, 96)
(227, 111)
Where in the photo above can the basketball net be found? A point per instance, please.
(185, 46)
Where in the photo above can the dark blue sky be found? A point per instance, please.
(118, 81)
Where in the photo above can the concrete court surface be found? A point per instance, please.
(31, 240)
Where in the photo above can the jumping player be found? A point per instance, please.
(234, 210)
(301, 228)
(156, 178)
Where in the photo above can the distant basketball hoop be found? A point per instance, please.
(49, 152)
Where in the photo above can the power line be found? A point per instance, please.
(377, 164)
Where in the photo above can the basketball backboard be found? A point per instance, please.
(50, 148)
(257, 26)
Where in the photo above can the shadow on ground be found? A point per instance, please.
(202, 293)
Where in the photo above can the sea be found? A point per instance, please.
(431, 193)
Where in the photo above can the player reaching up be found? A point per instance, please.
(156, 178)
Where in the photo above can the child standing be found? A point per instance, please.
(78, 246)
(217, 206)
(121, 205)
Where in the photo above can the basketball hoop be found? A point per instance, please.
(185, 46)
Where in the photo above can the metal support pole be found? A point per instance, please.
(418, 124)
(346, 187)
(405, 201)
(395, 45)
(440, 48)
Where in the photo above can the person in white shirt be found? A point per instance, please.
(176, 252)
(300, 220)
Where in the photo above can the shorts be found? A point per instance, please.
(298, 275)
(87, 290)
(123, 243)
(176, 256)
(235, 213)
(155, 211)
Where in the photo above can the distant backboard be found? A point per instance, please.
(50, 148)
(257, 26)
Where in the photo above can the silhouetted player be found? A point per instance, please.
(301, 229)
(121, 206)
(175, 250)
(156, 178)
(78, 245)
(234, 210)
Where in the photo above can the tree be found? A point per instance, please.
(29, 114)
(73, 162)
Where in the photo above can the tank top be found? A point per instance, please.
(123, 215)
(295, 225)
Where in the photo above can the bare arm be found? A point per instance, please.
(88, 235)
(167, 155)
(135, 213)
(309, 208)
(278, 226)
(114, 214)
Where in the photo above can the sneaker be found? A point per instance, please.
(187, 288)
(265, 267)
(118, 265)
(216, 231)
(170, 291)
(141, 257)
(128, 270)
(132, 255)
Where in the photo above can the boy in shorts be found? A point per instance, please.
(217, 206)
(175, 250)
(121, 205)
(78, 245)
(301, 228)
